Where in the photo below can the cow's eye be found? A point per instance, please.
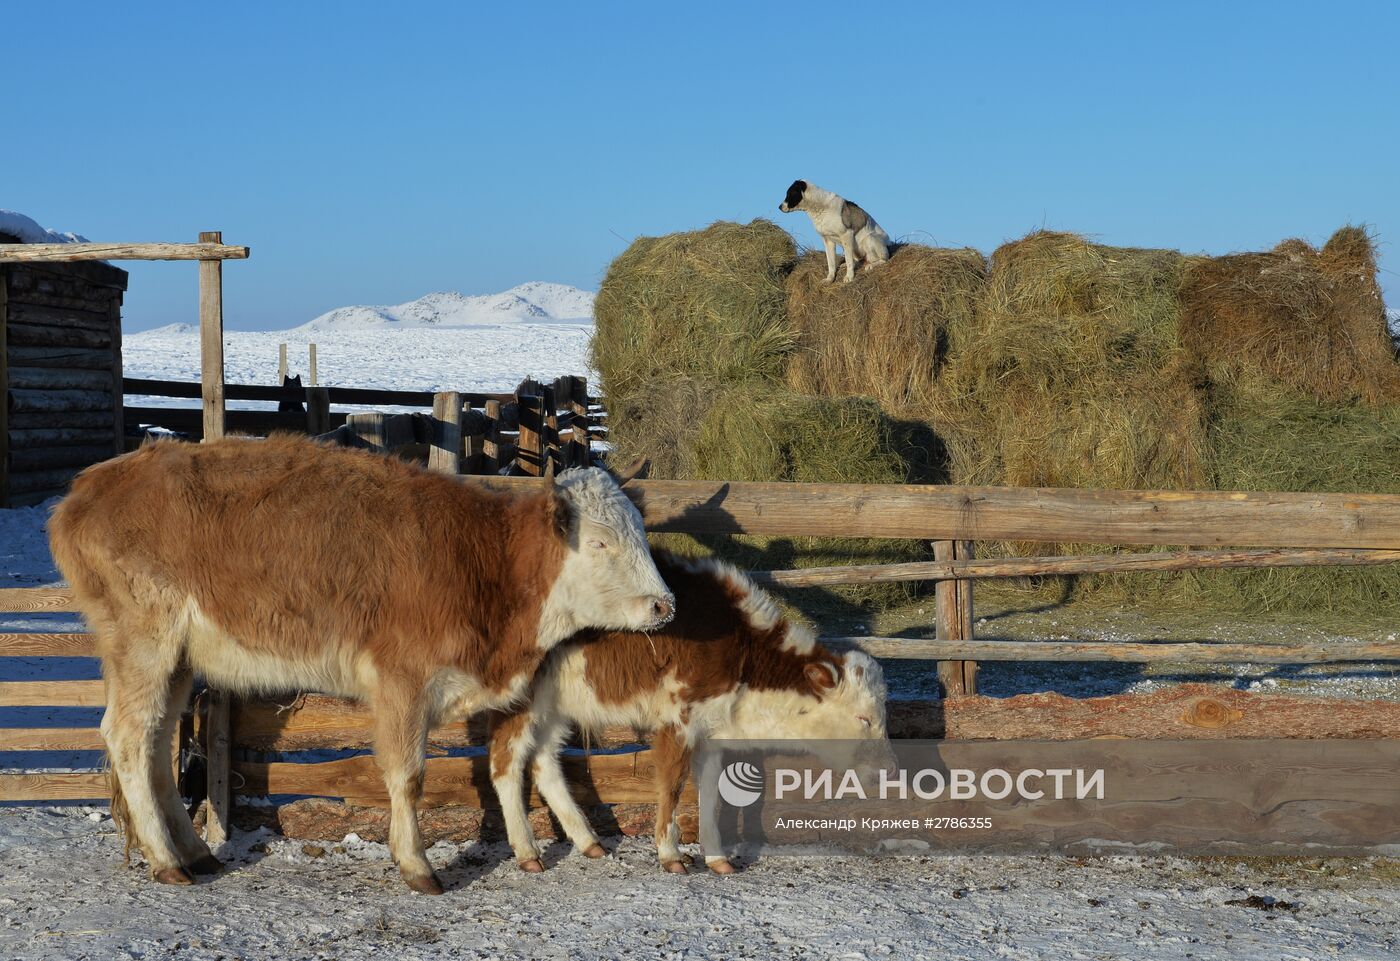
(600, 545)
(863, 720)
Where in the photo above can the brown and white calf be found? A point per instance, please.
(729, 666)
(289, 565)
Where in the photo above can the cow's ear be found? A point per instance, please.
(822, 675)
(561, 514)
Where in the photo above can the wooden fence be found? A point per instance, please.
(518, 432)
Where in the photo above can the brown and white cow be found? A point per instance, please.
(730, 665)
(285, 564)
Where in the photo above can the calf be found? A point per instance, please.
(286, 564)
(730, 666)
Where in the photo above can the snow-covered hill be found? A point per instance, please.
(30, 231)
(534, 302)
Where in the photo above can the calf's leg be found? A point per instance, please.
(512, 744)
(400, 745)
(139, 682)
(672, 767)
(554, 788)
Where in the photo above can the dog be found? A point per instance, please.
(839, 221)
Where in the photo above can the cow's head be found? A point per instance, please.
(608, 579)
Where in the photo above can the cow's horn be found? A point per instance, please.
(633, 471)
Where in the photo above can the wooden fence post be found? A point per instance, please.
(530, 451)
(583, 436)
(318, 410)
(312, 372)
(281, 364)
(211, 378)
(446, 453)
(549, 436)
(953, 622)
(490, 447)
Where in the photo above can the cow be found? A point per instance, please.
(285, 564)
(730, 665)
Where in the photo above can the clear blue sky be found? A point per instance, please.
(372, 152)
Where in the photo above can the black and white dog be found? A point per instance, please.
(839, 221)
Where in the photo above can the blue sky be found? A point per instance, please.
(370, 153)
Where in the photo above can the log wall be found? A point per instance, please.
(60, 374)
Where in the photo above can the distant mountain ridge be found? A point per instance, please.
(531, 302)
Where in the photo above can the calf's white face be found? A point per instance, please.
(844, 705)
(608, 579)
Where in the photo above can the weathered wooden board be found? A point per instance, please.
(1055, 515)
(81, 358)
(88, 316)
(46, 645)
(43, 458)
(65, 253)
(1124, 652)
(60, 378)
(55, 478)
(29, 335)
(33, 600)
(51, 694)
(44, 420)
(60, 400)
(51, 739)
(54, 787)
(58, 437)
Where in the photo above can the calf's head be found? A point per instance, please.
(842, 699)
(608, 579)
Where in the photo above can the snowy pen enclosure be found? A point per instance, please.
(1265, 529)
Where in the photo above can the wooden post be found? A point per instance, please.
(953, 607)
(114, 311)
(446, 452)
(583, 435)
(530, 450)
(490, 448)
(549, 435)
(314, 382)
(211, 379)
(281, 364)
(211, 338)
(318, 410)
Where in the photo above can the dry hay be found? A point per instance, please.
(884, 335)
(1072, 373)
(1311, 321)
(706, 304)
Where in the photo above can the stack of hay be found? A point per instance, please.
(1062, 363)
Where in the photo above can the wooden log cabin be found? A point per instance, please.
(60, 374)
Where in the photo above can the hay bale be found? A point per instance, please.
(705, 304)
(886, 334)
(1312, 322)
(1071, 373)
(658, 421)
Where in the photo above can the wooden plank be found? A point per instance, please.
(445, 455)
(318, 411)
(40, 282)
(59, 400)
(30, 335)
(192, 390)
(42, 315)
(212, 251)
(211, 337)
(51, 739)
(4, 391)
(1075, 564)
(54, 787)
(46, 457)
(218, 752)
(317, 721)
(60, 378)
(1060, 515)
(21, 440)
(81, 358)
(953, 623)
(118, 443)
(604, 779)
(529, 455)
(189, 420)
(42, 420)
(56, 478)
(51, 694)
(1129, 652)
(46, 645)
(311, 362)
(36, 600)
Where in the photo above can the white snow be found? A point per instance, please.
(533, 302)
(29, 231)
(1392, 316)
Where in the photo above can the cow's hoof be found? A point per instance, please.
(720, 866)
(675, 867)
(207, 865)
(595, 851)
(172, 876)
(532, 866)
(425, 884)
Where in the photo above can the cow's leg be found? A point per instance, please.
(707, 785)
(512, 743)
(554, 787)
(194, 853)
(139, 684)
(672, 756)
(400, 745)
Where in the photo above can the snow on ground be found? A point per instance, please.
(532, 302)
(65, 894)
(29, 231)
